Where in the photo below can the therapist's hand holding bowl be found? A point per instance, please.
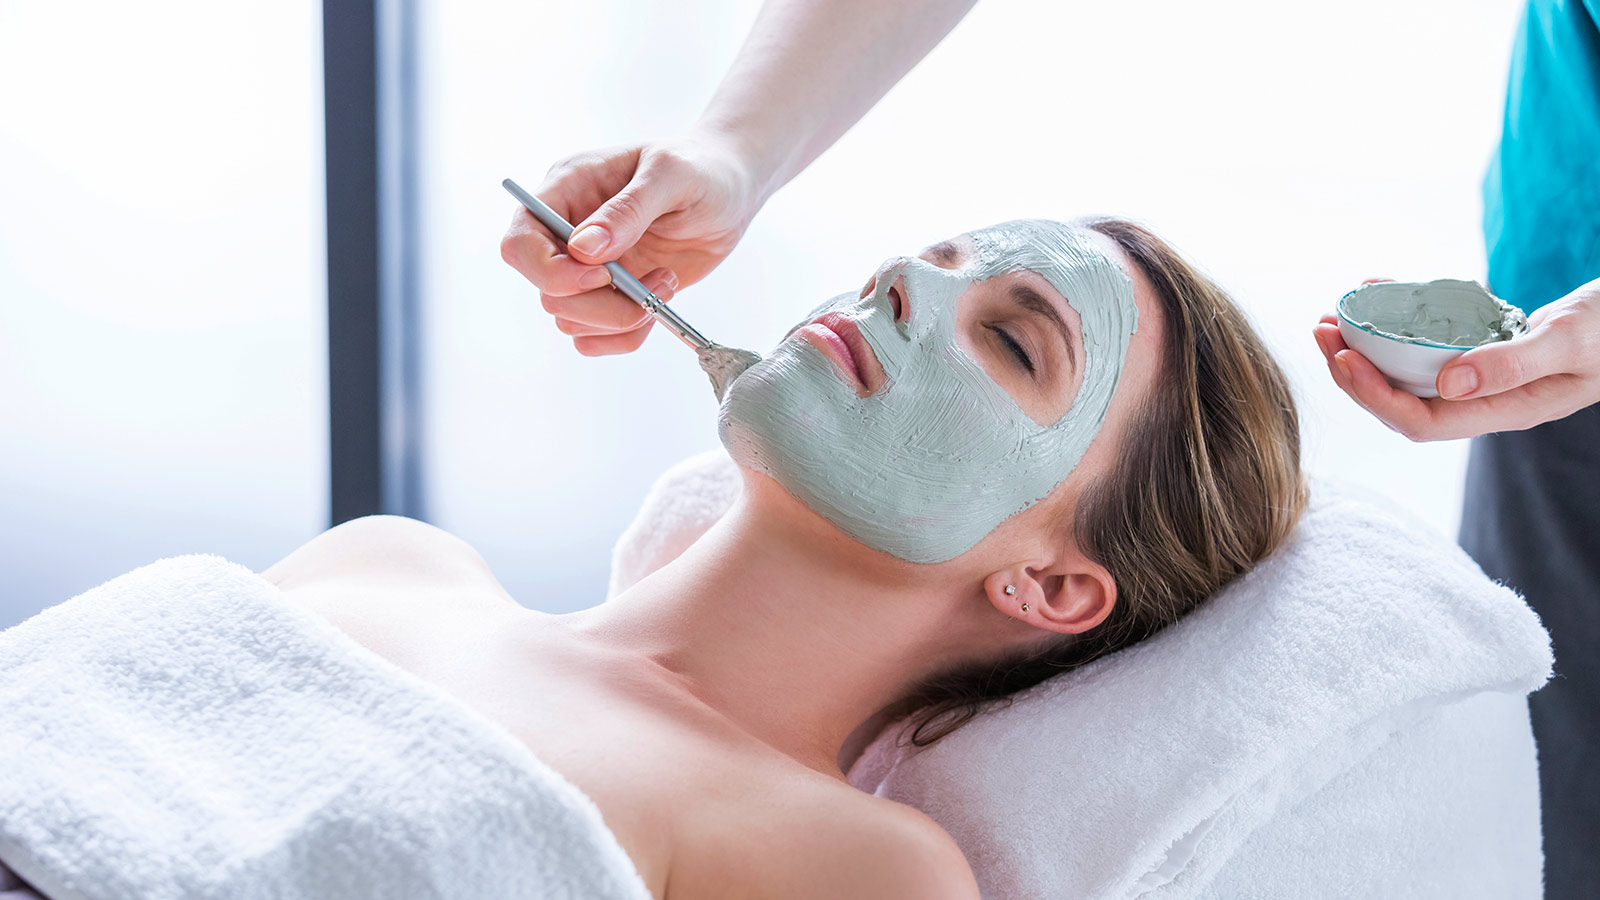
(1548, 374)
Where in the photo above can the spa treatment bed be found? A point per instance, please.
(1317, 729)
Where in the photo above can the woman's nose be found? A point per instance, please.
(898, 295)
(898, 298)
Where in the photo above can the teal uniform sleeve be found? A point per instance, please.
(1541, 195)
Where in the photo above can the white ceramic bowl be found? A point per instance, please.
(1410, 366)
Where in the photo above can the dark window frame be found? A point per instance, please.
(369, 50)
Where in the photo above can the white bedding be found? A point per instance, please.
(182, 731)
(1351, 670)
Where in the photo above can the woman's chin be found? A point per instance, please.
(766, 498)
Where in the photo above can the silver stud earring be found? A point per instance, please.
(1010, 589)
(1024, 607)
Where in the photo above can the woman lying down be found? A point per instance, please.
(1027, 447)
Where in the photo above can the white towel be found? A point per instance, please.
(1143, 773)
(182, 731)
(684, 501)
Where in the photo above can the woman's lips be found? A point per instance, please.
(839, 340)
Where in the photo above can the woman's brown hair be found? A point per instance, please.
(1208, 484)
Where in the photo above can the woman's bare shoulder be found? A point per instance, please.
(901, 853)
(843, 843)
(397, 585)
(397, 549)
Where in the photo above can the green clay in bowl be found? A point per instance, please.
(1409, 330)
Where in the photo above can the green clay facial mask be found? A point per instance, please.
(930, 463)
(1446, 311)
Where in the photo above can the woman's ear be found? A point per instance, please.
(1069, 596)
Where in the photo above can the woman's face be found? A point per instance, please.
(956, 390)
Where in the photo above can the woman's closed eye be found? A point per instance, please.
(1015, 346)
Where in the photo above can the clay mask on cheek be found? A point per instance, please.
(929, 464)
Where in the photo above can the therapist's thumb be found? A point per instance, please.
(1501, 366)
(617, 225)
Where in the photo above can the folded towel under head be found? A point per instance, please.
(182, 731)
(1143, 773)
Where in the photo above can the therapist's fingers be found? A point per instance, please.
(609, 344)
(1320, 334)
(657, 186)
(1532, 404)
(1502, 366)
(607, 311)
(1405, 413)
(1344, 376)
(1563, 339)
(529, 248)
(1440, 419)
(1332, 344)
(578, 329)
(1551, 372)
(1328, 338)
(1400, 410)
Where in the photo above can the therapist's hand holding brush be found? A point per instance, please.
(669, 211)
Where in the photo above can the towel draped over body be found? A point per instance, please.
(183, 731)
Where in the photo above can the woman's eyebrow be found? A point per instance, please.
(1031, 300)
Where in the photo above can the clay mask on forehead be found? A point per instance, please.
(930, 463)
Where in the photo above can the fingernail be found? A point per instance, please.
(591, 240)
(1344, 367)
(1457, 382)
(594, 278)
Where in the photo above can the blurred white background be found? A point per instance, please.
(162, 325)
(1292, 152)
(163, 374)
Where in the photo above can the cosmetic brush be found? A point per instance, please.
(721, 364)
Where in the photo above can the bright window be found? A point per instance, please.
(162, 303)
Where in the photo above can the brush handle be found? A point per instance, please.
(621, 278)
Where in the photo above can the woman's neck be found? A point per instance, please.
(789, 629)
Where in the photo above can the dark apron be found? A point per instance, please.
(1531, 518)
(1531, 514)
